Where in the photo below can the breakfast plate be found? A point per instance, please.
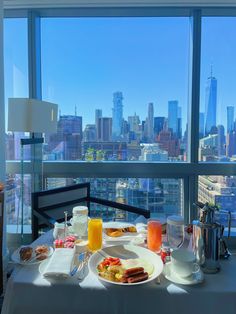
(34, 259)
(193, 279)
(132, 257)
(116, 231)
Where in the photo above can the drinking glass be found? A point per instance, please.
(95, 234)
(154, 232)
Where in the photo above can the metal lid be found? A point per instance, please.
(80, 210)
(175, 220)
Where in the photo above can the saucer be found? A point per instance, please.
(193, 279)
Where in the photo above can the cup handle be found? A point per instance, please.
(196, 268)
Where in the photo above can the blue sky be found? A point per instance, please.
(85, 60)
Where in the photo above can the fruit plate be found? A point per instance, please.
(127, 252)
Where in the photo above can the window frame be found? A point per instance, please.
(188, 171)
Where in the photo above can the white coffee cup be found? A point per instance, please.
(183, 263)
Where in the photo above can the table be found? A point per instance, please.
(28, 292)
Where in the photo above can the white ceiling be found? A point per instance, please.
(113, 3)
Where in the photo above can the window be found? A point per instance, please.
(16, 85)
(217, 111)
(121, 85)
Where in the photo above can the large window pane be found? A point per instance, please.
(16, 85)
(121, 85)
(218, 94)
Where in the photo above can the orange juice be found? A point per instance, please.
(154, 235)
(95, 234)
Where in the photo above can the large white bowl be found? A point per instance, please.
(126, 252)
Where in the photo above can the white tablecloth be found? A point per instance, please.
(28, 292)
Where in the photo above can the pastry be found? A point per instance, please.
(26, 253)
(41, 249)
(41, 252)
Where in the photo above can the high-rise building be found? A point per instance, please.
(117, 115)
(230, 118)
(179, 125)
(98, 114)
(66, 143)
(210, 104)
(150, 122)
(173, 116)
(201, 124)
(231, 144)
(134, 123)
(68, 124)
(104, 129)
(90, 133)
(221, 140)
(158, 125)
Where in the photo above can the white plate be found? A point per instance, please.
(127, 236)
(127, 252)
(16, 256)
(194, 279)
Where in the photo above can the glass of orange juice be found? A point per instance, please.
(95, 234)
(154, 232)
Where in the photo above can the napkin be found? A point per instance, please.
(60, 264)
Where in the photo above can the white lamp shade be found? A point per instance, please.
(32, 115)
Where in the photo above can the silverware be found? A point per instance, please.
(79, 266)
(81, 270)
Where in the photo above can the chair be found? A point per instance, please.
(48, 206)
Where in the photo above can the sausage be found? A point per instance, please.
(133, 271)
(138, 278)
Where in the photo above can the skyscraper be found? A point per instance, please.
(117, 115)
(158, 125)
(201, 124)
(179, 125)
(210, 104)
(173, 116)
(221, 140)
(104, 129)
(230, 118)
(134, 123)
(98, 114)
(150, 122)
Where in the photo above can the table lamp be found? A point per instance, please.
(34, 116)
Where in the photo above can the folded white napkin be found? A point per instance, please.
(60, 264)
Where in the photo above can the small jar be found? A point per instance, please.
(165, 254)
(175, 231)
(79, 220)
